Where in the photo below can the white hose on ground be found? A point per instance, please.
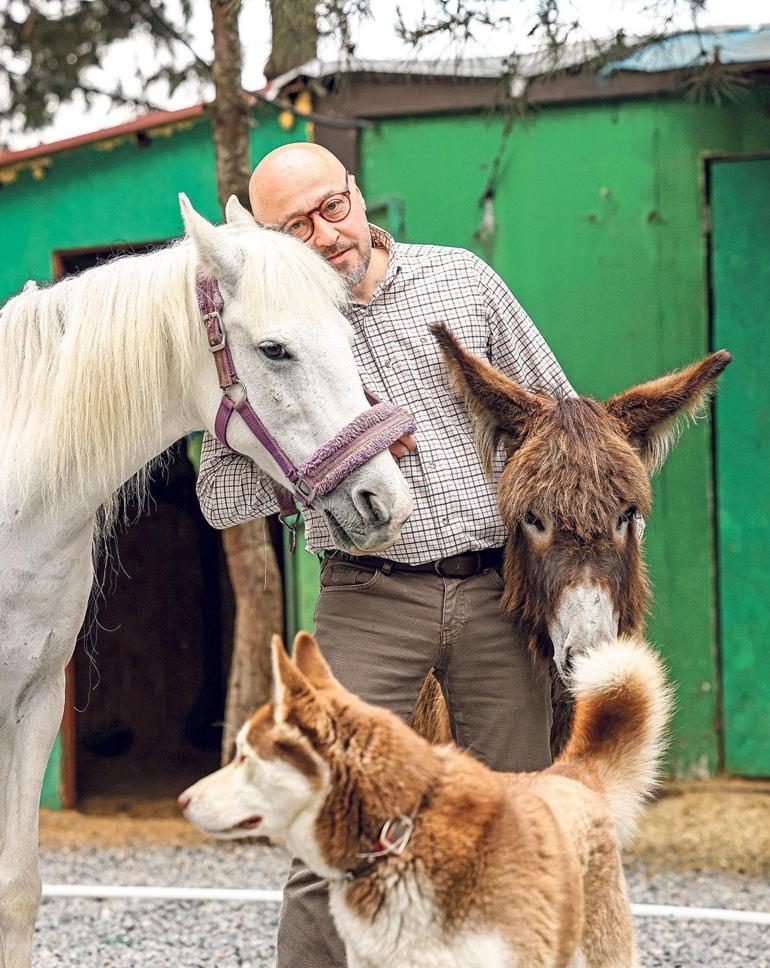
(104, 892)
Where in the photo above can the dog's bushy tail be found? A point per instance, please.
(623, 702)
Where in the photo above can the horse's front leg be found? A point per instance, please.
(27, 734)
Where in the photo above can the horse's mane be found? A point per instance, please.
(88, 365)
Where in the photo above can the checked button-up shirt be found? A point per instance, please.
(455, 508)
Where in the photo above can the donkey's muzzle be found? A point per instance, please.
(585, 617)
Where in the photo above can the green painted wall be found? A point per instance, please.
(51, 794)
(114, 192)
(600, 211)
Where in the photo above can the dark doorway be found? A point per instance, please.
(151, 665)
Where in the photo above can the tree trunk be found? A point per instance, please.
(230, 111)
(257, 587)
(250, 554)
(295, 35)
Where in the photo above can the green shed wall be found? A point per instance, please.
(600, 212)
(112, 193)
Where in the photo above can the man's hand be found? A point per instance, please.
(403, 446)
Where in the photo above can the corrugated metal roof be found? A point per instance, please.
(527, 65)
(732, 45)
(728, 45)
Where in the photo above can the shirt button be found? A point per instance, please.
(445, 520)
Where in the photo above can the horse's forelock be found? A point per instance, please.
(281, 275)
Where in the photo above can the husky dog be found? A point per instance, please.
(433, 860)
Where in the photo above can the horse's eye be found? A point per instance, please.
(534, 521)
(627, 516)
(274, 351)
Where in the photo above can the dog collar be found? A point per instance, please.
(393, 840)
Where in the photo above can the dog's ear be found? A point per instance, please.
(289, 684)
(310, 661)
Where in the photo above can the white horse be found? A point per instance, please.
(100, 374)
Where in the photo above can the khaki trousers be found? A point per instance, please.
(381, 634)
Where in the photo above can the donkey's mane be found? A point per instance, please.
(90, 363)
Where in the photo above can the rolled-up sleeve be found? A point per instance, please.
(231, 489)
(516, 346)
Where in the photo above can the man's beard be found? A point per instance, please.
(356, 273)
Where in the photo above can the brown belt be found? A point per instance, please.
(457, 566)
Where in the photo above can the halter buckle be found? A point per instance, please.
(308, 491)
(207, 317)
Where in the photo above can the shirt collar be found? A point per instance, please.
(384, 240)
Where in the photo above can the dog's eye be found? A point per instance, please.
(534, 521)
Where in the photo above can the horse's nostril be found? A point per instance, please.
(371, 507)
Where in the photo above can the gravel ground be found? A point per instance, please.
(83, 933)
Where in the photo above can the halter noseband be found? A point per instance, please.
(369, 434)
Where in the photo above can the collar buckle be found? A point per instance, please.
(394, 838)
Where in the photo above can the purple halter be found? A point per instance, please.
(370, 433)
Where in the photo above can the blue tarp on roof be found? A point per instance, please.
(729, 46)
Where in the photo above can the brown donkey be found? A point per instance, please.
(573, 495)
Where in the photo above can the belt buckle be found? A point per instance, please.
(439, 569)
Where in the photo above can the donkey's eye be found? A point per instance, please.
(534, 521)
(274, 351)
(627, 516)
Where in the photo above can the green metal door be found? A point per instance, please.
(740, 273)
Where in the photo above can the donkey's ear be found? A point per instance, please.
(217, 251)
(236, 214)
(310, 661)
(289, 684)
(652, 414)
(500, 408)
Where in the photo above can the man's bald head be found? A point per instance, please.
(294, 180)
(287, 172)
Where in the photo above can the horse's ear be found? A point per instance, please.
(289, 684)
(652, 414)
(236, 214)
(500, 408)
(310, 661)
(218, 252)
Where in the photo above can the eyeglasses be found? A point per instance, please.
(334, 208)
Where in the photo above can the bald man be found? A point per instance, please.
(434, 601)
